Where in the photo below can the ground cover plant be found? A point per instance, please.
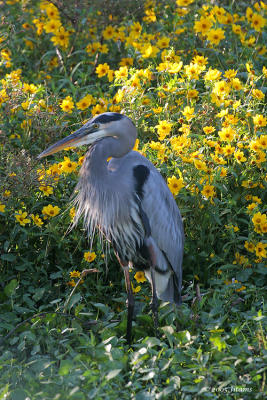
(192, 76)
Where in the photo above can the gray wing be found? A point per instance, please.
(165, 220)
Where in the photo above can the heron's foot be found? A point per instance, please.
(154, 309)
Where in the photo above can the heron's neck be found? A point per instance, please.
(95, 166)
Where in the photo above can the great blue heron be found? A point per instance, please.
(129, 202)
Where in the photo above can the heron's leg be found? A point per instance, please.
(130, 303)
(130, 300)
(154, 302)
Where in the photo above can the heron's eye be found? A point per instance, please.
(96, 126)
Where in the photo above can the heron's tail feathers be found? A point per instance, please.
(171, 292)
(166, 286)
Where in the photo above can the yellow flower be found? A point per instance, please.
(46, 189)
(212, 75)
(71, 283)
(230, 74)
(61, 38)
(241, 288)
(249, 13)
(256, 199)
(72, 212)
(37, 220)
(111, 75)
(232, 227)
(51, 11)
(2, 208)
(251, 207)
(93, 48)
(200, 165)
(127, 61)
(208, 191)
(39, 25)
(52, 26)
(163, 42)
(215, 36)
(85, 102)
(249, 246)
(75, 274)
(236, 29)
(258, 94)
(50, 211)
(208, 129)
(192, 70)
(68, 166)
(175, 67)
(102, 70)
(260, 157)
(89, 257)
(259, 219)
(201, 60)
(227, 134)
(175, 184)
(137, 289)
(147, 50)
(203, 25)
(157, 110)
(188, 112)
(228, 150)
(236, 84)
(192, 94)
(109, 32)
(257, 22)
(67, 104)
(122, 73)
(136, 29)
(259, 120)
(223, 172)
(184, 3)
(239, 156)
(140, 277)
(163, 129)
(21, 218)
(221, 88)
(260, 250)
(261, 142)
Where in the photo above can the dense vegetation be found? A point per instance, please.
(191, 75)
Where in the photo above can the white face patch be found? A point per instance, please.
(93, 137)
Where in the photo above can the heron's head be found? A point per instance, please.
(107, 124)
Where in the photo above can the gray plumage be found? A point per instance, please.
(128, 201)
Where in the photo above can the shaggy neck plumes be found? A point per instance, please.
(97, 199)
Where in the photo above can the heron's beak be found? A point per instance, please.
(84, 135)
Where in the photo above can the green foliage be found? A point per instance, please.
(62, 333)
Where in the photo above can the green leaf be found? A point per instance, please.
(3, 392)
(38, 294)
(65, 367)
(18, 394)
(8, 257)
(218, 342)
(75, 298)
(112, 374)
(10, 287)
